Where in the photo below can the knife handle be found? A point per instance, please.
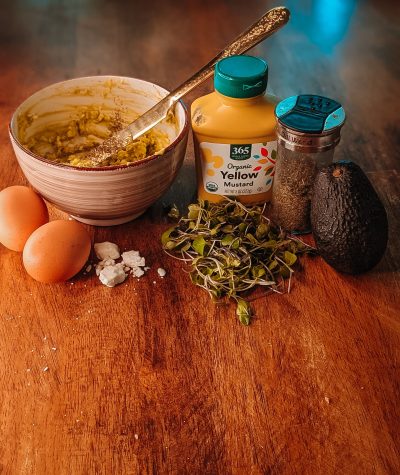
(268, 24)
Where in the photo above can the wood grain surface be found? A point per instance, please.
(151, 377)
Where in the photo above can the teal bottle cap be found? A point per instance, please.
(309, 123)
(241, 76)
(310, 114)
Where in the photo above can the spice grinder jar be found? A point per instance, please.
(308, 130)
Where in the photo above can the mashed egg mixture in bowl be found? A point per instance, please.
(52, 131)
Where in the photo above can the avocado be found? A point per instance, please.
(348, 220)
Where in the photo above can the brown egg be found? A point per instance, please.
(21, 212)
(56, 251)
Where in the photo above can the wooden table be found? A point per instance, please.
(151, 377)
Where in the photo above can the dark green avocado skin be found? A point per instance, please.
(348, 220)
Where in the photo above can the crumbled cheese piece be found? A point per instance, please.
(161, 272)
(106, 250)
(112, 275)
(111, 272)
(107, 262)
(88, 268)
(133, 259)
(104, 263)
(137, 272)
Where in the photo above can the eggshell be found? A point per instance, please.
(56, 251)
(21, 212)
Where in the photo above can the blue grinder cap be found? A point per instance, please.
(310, 114)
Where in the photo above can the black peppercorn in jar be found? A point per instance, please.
(308, 130)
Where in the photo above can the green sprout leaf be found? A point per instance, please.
(289, 258)
(227, 240)
(166, 235)
(273, 264)
(243, 312)
(262, 231)
(271, 244)
(194, 210)
(242, 227)
(252, 239)
(199, 244)
(258, 271)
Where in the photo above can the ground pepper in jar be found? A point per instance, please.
(308, 129)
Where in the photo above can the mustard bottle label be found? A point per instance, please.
(237, 169)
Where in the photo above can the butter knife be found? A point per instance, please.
(268, 24)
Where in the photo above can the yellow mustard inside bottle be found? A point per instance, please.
(234, 133)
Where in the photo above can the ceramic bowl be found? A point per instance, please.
(109, 195)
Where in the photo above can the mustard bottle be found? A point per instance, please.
(234, 133)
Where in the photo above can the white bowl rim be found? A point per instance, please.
(143, 161)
